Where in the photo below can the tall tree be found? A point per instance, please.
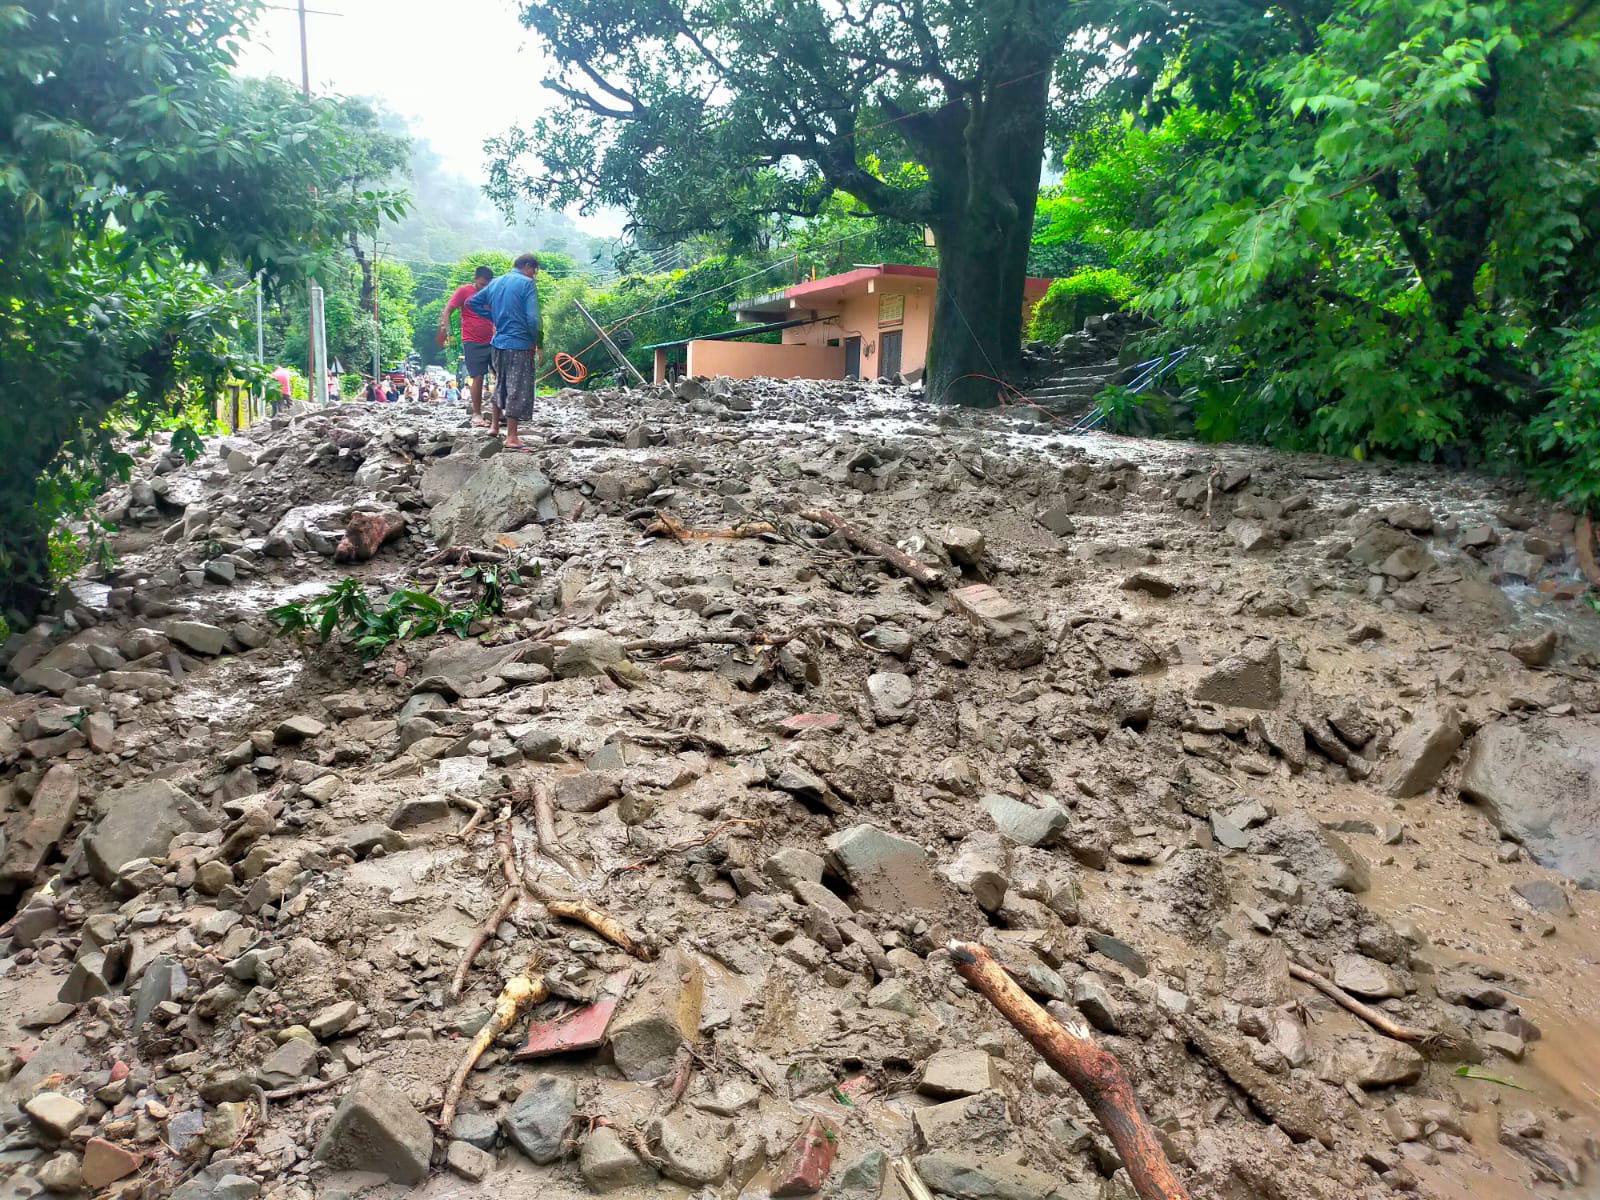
(132, 166)
(698, 114)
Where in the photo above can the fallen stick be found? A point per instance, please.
(910, 1182)
(689, 641)
(309, 1088)
(665, 526)
(544, 822)
(899, 559)
(1382, 1022)
(1584, 535)
(1094, 1073)
(520, 993)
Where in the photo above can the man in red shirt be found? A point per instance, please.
(476, 333)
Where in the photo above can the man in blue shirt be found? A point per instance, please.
(512, 303)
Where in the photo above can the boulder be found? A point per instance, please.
(198, 637)
(1423, 750)
(140, 820)
(504, 493)
(1539, 782)
(887, 873)
(661, 1016)
(375, 1128)
(1370, 1060)
(1249, 679)
(537, 1121)
(1314, 853)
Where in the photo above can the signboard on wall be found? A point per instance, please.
(891, 310)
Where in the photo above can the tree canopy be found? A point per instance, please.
(698, 114)
(133, 169)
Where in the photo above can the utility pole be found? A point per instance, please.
(377, 330)
(315, 387)
(261, 339)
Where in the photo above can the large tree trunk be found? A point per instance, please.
(986, 226)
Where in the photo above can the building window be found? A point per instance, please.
(891, 310)
(833, 341)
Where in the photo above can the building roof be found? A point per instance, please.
(729, 335)
(830, 289)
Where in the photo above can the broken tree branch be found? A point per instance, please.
(602, 923)
(521, 992)
(1094, 1073)
(898, 559)
(503, 908)
(544, 822)
(1382, 1022)
(656, 856)
(665, 526)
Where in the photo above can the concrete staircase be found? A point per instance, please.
(1071, 391)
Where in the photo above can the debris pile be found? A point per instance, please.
(783, 715)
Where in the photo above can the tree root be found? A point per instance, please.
(656, 856)
(544, 822)
(503, 908)
(898, 559)
(309, 1088)
(520, 993)
(606, 926)
(1094, 1073)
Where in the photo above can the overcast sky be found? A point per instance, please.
(459, 70)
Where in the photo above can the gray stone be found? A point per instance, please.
(1251, 535)
(197, 637)
(608, 1164)
(1093, 999)
(959, 1073)
(62, 1173)
(792, 865)
(163, 979)
(1118, 951)
(1314, 853)
(894, 995)
(859, 1179)
(375, 1128)
(887, 873)
(892, 696)
(689, 1156)
(969, 1177)
(140, 820)
(583, 652)
(504, 493)
(363, 840)
(1423, 750)
(965, 546)
(418, 810)
(334, 1019)
(477, 1129)
(1539, 782)
(291, 1062)
(1023, 823)
(536, 1122)
(982, 868)
(1544, 896)
(1149, 583)
(586, 792)
(540, 745)
(54, 1114)
(1369, 1060)
(1250, 679)
(468, 1161)
(658, 1018)
(1363, 976)
(1538, 650)
(301, 728)
(1057, 520)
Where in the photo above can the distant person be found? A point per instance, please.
(512, 303)
(282, 402)
(477, 334)
(372, 391)
(452, 394)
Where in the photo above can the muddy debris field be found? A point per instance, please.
(1282, 774)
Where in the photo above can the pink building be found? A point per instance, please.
(870, 322)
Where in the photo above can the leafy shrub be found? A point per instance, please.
(1072, 300)
(407, 613)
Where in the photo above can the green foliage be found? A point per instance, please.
(120, 126)
(1385, 216)
(407, 614)
(1070, 301)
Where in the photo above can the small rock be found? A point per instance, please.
(688, 1156)
(301, 728)
(1536, 651)
(887, 873)
(1149, 583)
(958, 1073)
(1256, 972)
(608, 1164)
(1023, 823)
(1369, 1060)
(1544, 896)
(54, 1114)
(106, 1162)
(536, 1122)
(61, 1174)
(333, 1019)
(1423, 750)
(891, 695)
(468, 1161)
(658, 1018)
(198, 637)
(1363, 976)
(965, 546)
(1251, 679)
